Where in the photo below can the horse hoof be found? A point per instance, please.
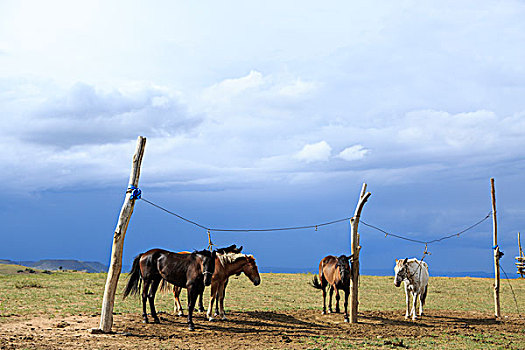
(210, 319)
(180, 314)
(145, 320)
(202, 309)
(191, 327)
(323, 313)
(216, 314)
(224, 318)
(156, 321)
(347, 320)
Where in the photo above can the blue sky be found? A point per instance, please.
(263, 115)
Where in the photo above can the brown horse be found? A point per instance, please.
(226, 265)
(192, 271)
(176, 291)
(336, 272)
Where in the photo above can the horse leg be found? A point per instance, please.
(218, 299)
(192, 298)
(347, 292)
(323, 285)
(145, 288)
(201, 307)
(407, 299)
(221, 300)
(330, 300)
(213, 296)
(151, 298)
(176, 299)
(414, 304)
(337, 297)
(422, 299)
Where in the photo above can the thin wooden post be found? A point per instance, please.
(497, 309)
(115, 267)
(355, 247)
(520, 264)
(519, 245)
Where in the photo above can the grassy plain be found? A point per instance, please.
(63, 294)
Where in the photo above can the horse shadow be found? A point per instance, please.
(258, 322)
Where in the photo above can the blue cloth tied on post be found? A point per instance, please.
(135, 192)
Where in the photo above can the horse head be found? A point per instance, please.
(401, 271)
(345, 268)
(207, 264)
(250, 270)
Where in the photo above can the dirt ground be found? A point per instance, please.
(294, 329)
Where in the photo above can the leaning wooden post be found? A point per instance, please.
(354, 238)
(497, 310)
(106, 317)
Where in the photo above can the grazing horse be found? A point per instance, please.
(192, 271)
(226, 265)
(176, 291)
(336, 272)
(415, 275)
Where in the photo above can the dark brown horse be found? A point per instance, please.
(192, 271)
(335, 272)
(176, 290)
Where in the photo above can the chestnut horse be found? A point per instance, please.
(192, 271)
(335, 272)
(226, 265)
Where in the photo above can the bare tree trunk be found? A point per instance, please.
(355, 247)
(115, 267)
(497, 310)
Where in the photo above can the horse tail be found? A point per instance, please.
(135, 278)
(166, 287)
(315, 283)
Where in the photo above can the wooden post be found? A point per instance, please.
(355, 247)
(497, 309)
(115, 267)
(521, 259)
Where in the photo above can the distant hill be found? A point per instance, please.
(60, 264)
(8, 262)
(11, 269)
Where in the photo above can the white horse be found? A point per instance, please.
(415, 275)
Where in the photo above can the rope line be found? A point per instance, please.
(512, 290)
(211, 229)
(431, 241)
(316, 226)
(175, 214)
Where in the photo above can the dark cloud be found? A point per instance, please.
(83, 115)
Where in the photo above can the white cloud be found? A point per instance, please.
(355, 152)
(315, 152)
(297, 88)
(230, 88)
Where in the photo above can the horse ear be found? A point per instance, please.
(405, 261)
(240, 249)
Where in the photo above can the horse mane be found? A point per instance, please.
(231, 249)
(230, 258)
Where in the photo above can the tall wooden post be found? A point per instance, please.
(115, 267)
(355, 247)
(497, 310)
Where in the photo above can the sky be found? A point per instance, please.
(263, 115)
